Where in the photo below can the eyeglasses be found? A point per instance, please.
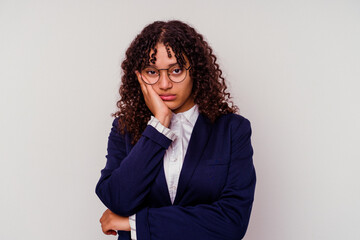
(177, 74)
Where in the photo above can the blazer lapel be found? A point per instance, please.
(164, 194)
(197, 143)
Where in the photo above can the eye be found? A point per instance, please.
(150, 72)
(176, 70)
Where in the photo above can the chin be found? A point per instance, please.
(172, 107)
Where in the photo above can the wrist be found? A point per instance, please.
(164, 119)
(127, 225)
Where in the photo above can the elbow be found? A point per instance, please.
(242, 225)
(101, 192)
(237, 226)
(236, 232)
(124, 209)
(119, 204)
(241, 232)
(103, 196)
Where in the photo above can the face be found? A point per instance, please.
(177, 96)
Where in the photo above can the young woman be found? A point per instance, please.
(179, 162)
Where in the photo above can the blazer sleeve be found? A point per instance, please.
(227, 218)
(124, 182)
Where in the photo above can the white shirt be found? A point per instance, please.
(181, 125)
(180, 129)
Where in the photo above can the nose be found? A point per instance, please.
(164, 81)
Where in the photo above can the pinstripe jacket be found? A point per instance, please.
(216, 186)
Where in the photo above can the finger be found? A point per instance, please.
(146, 88)
(151, 90)
(142, 84)
(106, 228)
(110, 232)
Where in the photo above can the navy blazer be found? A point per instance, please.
(216, 185)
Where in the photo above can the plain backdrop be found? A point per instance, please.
(293, 68)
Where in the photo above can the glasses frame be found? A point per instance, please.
(186, 68)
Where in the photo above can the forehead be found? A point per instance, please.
(163, 53)
(164, 56)
(163, 49)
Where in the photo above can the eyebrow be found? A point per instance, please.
(154, 65)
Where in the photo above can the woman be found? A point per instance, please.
(179, 162)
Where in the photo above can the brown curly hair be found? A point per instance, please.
(209, 88)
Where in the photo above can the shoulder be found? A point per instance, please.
(236, 128)
(228, 126)
(119, 136)
(234, 122)
(115, 124)
(116, 130)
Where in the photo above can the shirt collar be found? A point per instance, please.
(190, 115)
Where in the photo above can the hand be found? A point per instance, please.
(155, 103)
(111, 222)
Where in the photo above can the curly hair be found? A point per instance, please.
(209, 88)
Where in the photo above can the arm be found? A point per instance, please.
(227, 218)
(124, 182)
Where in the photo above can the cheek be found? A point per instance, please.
(156, 89)
(188, 89)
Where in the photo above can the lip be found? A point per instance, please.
(169, 97)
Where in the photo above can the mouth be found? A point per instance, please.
(169, 97)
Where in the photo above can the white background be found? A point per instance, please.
(293, 68)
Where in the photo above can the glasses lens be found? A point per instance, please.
(177, 73)
(150, 75)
